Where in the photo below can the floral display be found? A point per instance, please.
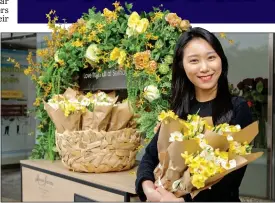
(139, 44)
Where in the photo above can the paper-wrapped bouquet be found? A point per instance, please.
(94, 133)
(194, 154)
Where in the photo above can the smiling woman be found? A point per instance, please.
(199, 85)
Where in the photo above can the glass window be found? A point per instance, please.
(248, 75)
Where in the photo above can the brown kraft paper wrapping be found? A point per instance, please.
(70, 93)
(61, 122)
(172, 168)
(120, 116)
(99, 118)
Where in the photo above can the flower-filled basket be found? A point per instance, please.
(93, 132)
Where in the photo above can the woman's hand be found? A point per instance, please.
(157, 127)
(150, 191)
(168, 196)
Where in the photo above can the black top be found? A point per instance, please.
(227, 190)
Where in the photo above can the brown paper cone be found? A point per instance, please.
(163, 165)
(87, 120)
(185, 185)
(176, 148)
(164, 134)
(177, 165)
(70, 93)
(112, 94)
(98, 119)
(217, 141)
(120, 116)
(247, 134)
(61, 122)
(209, 120)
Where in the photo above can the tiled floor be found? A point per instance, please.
(11, 187)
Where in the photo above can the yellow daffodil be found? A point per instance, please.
(198, 181)
(169, 114)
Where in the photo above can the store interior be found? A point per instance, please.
(248, 58)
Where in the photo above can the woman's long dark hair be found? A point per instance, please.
(183, 90)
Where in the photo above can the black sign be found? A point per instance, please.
(108, 80)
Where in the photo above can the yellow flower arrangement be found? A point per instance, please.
(206, 164)
(141, 44)
(209, 161)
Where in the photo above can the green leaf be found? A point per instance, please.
(260, 98)
(128, 6)
(157, 56)
(259, 86)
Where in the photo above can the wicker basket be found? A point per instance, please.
(98, 152)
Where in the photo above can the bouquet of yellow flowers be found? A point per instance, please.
(74, 111)
(194, 154)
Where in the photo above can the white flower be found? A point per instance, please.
(92, 52)
(85, 102)
(158, 183)
(102, 103)
(130, 32)
(200, 136)
(53, 105)
(151, 93)
(230, 138)
(229, 165)
(218, 161)
(203, 144)
(176, 184)
(56, 58)
(227, 129)
(238, 127)
(73, 100)
(160, 166)
(195, 125)
(220, 132)
(176, 136)
(207, 155)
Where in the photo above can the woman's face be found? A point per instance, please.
(202, 64)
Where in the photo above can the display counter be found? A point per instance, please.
(44, 180)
